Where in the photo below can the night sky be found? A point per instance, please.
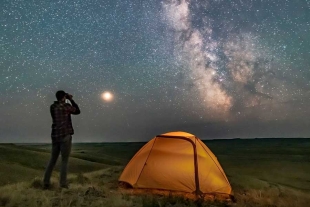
(216, 69)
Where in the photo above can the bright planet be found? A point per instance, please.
(107, 96)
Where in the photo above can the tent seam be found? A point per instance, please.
(146, 160)
(197, 191)
(140, 150)
(216, 164)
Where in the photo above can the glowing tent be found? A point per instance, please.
(176, 161)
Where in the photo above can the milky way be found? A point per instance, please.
(217, 69)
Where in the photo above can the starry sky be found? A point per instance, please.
(216, 69)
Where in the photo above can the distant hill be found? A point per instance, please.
(19, 163)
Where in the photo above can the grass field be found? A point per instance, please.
(262, 172)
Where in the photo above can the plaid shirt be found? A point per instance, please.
(61, 115)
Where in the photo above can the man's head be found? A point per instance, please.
(60, 95)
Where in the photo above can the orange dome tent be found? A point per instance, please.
(176, 161)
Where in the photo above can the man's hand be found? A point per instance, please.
(69, 96)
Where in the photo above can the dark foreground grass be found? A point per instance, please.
(262, 173)
(100, 188)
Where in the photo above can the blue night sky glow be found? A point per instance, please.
(217, 69)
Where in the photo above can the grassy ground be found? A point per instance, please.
(20, 163)
(272, 172)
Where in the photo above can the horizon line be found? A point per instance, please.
(150, 139)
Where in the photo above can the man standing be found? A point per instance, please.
(61, 136)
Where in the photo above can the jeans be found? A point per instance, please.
(64, 148)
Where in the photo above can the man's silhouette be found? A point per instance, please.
(62, 132)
